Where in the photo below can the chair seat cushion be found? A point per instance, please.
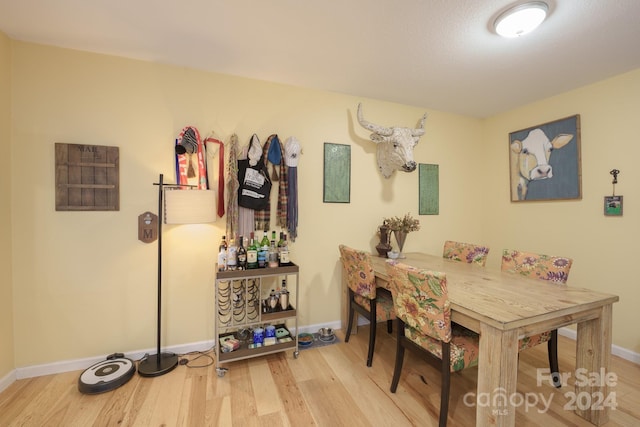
(533, 340)
(384, 306)
(465, 345)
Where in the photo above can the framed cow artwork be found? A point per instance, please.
(544, 161)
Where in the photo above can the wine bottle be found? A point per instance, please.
(252, 253)
(242, 255)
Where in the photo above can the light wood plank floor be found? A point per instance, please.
(328, 386)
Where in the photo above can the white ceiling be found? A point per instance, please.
(438, 54)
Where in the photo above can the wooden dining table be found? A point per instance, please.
(504, 307)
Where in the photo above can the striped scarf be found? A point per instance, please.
(262, 217)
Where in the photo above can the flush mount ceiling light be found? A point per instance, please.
(521, 19)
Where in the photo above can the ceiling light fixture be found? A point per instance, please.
(521, 19)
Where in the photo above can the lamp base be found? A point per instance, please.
(158, 364)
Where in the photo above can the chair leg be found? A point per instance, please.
(446, 384)
(350, 321)
(390, 326)
(372, 332)
(553, 359)
(399, 355)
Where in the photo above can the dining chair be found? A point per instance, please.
(467, 252)
(374, 304)
(543, 267)
(423, 312)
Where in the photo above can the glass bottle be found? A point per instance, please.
(284, 252)
(222, 255)
(242, 255)
(252, 253)
(263, 251)
(232, 255)
(273, 255)
(283, 298)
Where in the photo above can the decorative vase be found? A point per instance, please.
(400, 238)
(385, 241)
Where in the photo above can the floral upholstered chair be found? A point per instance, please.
(544, 267)
(421, 302)
(375, 305)
(466, 252)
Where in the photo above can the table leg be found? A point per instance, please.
(497, 377)
(593, 354)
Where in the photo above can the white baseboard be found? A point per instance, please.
(616, 350)
(81, 364)
(7, 380)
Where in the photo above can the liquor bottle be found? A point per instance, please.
(222, 255)
(232, 256)
(263, 251)
(284, 252)
(283, 297)
(280, 243)
(252, 253)
(242, 255)
(273, 255)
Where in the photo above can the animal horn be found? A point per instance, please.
(380, 130)
(420, 130)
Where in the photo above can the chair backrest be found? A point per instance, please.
(545, 267)
(421, 300)
(359, 270)
(467, 252)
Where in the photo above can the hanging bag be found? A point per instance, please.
(255, 185)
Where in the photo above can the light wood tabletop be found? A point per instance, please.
(503, 308)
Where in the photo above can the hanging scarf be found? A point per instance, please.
(210, 143)
(283, 196)
(185, 170)
(292, 157)
(262, 217)
(232, 188)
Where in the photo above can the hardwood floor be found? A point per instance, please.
(327, 386)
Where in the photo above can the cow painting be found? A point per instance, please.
(394, 145)
(530, 160)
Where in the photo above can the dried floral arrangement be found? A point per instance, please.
(405, 224)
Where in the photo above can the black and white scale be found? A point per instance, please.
(106, 375)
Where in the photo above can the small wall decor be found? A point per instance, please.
(337, 173)
(395, 145)
(87, 177)
(545, 161)
(429, 197)
(613, 203)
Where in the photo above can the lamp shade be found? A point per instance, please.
(189, 206)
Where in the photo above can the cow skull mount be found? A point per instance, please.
(394, 145)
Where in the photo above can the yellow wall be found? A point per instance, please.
(603, 248)
(84, 285)
(6, 298)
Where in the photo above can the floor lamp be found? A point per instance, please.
(181, 206)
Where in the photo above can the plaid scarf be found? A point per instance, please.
(262, 217)
(283, 191)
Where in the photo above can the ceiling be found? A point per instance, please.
(437, 54)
